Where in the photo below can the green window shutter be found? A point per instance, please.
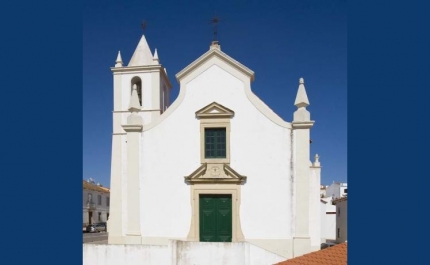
(215, 143)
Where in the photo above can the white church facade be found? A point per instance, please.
(216, 165)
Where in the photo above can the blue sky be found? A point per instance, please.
(280, 41)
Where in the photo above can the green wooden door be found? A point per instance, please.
(215, 218)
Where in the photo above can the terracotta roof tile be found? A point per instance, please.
(339, 200)
(89, 186)
(336, 255)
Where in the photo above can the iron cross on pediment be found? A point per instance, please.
(215, 20)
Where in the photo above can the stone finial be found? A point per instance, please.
(301, 102)
(155, 58)
(134, 100)
(134, 118)
(317, 161)
(301, 97)
(118, 60)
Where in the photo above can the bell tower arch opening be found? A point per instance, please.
(138, 82)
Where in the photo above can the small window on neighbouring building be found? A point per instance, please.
(338, 233)
(99, 197)
(338, 211)
(100, 217)
(107, 201)
(345, 190)
(215, 143)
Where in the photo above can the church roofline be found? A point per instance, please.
(241, 69)
(215, 52)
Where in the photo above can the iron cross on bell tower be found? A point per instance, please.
(143, 25)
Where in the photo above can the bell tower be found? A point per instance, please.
(153, 86)
(143, 82)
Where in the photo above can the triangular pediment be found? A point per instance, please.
(215, 110)
(218, 54)
(215, 173)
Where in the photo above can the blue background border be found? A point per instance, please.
(387, 141)
(41, 132)
(41, 111)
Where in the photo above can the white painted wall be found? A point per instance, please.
(328, 219)
(315, 209)
(323, 221)
(178, 253)
(171, 150)
(94, 254)
(333, 190)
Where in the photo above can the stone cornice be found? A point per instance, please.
(143, 69)
(132, 128)
(302, 124)
(211, 173)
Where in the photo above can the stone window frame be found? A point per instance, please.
(230, 189)
(224, 180)
(215, 115)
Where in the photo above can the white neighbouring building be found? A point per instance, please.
(328, 220)
(216, 165)
(330, 193)
(337, 190)
(341, 219)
